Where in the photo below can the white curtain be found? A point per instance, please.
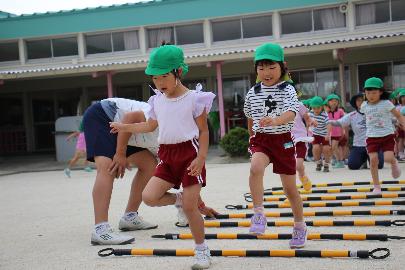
(332, 18)
(156, 36)
(365, 14)
(131, 40)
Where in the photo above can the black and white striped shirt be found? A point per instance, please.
(323, 120)
(271, 101)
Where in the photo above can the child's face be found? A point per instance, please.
(359, 101)
(333, 103)
(317, 110)
(373, 95)
(326, 108)
(269, 74)
(165, 83)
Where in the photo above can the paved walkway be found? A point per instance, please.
(46, 220)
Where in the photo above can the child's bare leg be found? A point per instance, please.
(258, 164)
(326, 151)
(300, 167)
(316, 151)
(74, 159)
(291, 192)
(335, 150)
(102, 189)
(190, 208)
(155, 193)
(374, 168)
(389, 157)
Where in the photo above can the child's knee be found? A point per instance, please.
(256, 170)
(189, 208)
(149, 199)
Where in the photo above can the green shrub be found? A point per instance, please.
(236, 142)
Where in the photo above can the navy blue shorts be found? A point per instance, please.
(99, 140)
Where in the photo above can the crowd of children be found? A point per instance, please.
(281, 129)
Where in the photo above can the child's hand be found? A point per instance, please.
(268, 121)
(196, 166)
(208, 211)
(116, 127)
(313, 123)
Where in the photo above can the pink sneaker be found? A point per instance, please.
(377, 190)
(258, 224)
(395, 170)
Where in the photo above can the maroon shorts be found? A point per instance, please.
(174, 161)
(300, 150)
(320, 140)
(278, 147)
(401, 133)
(343, 141)
(386, 143)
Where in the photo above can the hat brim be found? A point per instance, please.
(154, 71)
(269, 57)
(373, 86)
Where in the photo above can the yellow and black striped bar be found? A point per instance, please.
(344, 184)
(281, 236)
(315, 223)
(320, 204)
(378, 253)
(336, 198)
(332, 190)
(318, 213)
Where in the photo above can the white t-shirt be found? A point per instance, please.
(378, 118)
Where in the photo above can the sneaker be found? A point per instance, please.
(182, 220)
(319, 167)
(306, 183)
(67, 172)
(377, 191)
(258, 224)
(346, 162)
(339, 164)
(133, 222)
(326, 168)
(395, 170)
(88, 169)
(202, 259)
(299, 237)
(105, 235)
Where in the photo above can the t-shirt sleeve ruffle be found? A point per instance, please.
(202, 102)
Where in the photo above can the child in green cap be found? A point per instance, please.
(270, 107)
(380, 131)
(181, 115)
(338, 138)
(321, 133)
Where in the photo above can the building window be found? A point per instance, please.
(9, 51)
(312, 20)
(157, 36)
(64, 46)
(305, 82)
(380, 70)
(189, 34)
(257, 27)
(250, 27)
(112, 42)
(398, 10)
(399, 74)
(179, 35)
(39, 49)
(48, 48)
(371, 13)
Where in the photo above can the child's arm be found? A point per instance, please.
(197, 164)
(250, 126)
(400, 118)
(143, 127)
(205, 210)
(73, 134)
(284, 118)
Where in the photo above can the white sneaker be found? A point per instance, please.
(182, 220)
(105, 235)
(67, 172)
(134, 222)
(202, 259)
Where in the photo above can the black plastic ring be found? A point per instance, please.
(180, 226)
(383, 256)
(399, 222)
(249, 199)
(106, 252)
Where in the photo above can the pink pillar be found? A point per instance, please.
(220, 99)
(109, 84)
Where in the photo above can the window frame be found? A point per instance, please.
(52, 58)
(365, 2)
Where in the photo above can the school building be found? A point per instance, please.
(55, 64)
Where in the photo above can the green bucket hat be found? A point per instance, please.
(401, 93)
(332, 96)
(373, 82)
(164, 59)
(316, 102)
(269, 51)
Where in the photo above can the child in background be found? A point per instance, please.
(79, 152)
(181, 115)
(337, 133)
(270, 107)
(321, 133)
(399, 130)
(379, 129)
